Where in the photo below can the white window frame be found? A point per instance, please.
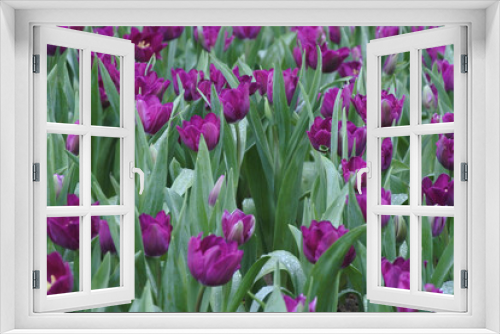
(85, 43)
(415, 43)
(483, 101)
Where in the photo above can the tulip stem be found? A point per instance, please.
(200, 298)
(336, 291)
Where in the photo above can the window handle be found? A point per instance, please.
(359, 174)
(141, 176)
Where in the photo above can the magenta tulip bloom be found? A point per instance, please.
(105, 240)
(335, 35)
(391, 108)
(390, 64)
(436, 53)
(214, 193)
(387, 31)
(191, 131)
(320, 134)
(291, 80)
(445, 151)
(356, 53)
(65, 231)
(440, 193)
(246, 32)
(149, 83)
(331, 59)
(438, 224)
(105, 31)
(73, 142)
(430, 97)
(397, 275)
(58, 183)
(386, 153)
(212, 260)
(310, 35)
(217, 78)
(354, 134)
(359, 102)
(237, 226)
(247, 80)
(298, 304)
(262, 77)
(156, 233)
(446, 69)
(172, 32)
(189, 81)
(235, 103)
(329, 101)
(350, 69)
(349, 168)
(431, 288)
(153, 114)
(320, 236)
(208, 37)
(147, 43)
(59, 275)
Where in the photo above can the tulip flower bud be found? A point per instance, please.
(59, 275)
(445, 151)
(235, 102)
(246, 32)
(156, 233)
(214, 194)
(58, 183)
(320, 134)
(428, 99)
(438, 224)
(390, 64)
(440, 193)
(191, 131)
(400, 228)
(237, 226)
(391, 108)
(298, 304)
(105, 239)
(73, 142)
(335, 35)
(431, 288)
(154, 153)
(153, 114)
(354, 133)
(386, 153)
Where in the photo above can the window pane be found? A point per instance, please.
(437, 254)
(105, 252)
(437, 169)
(395, 169)
(437, 84)
(63, 170)
(105, 90)
(63, 256)
(106, 170)
(395, 251)
(63, 84)
(395, 95)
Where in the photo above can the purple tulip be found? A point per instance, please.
(310, 35)
(397, 275)
(438, 224)
(149, 83)
(73, 142)
(189, 81)
(214, 193)
(59, 275)
(147, 43)
(209, 37)
(213, 260)
(111, 66)
(386, 153)
(359, 102)
(429, 97)
(65, 231)
(262, 77)
(445, 152)
(435, 52)
(58, 183)
(156, 233)
(172, 32)
(105, 240)
(191, 131)
(320, 134)
(298, 304)
(320, 236)
(246, 32)
(385, 199)
(448, 118)
(356, 53)
(246, 79)
(350, 69)
(153, 114)
(354, 134)
(217, 78)
(331, 59)
(440, 193)
(105, 31)
(435, 119)
(391, 108)
(349, 168)
(335, 35)
(381, 32)
(431, 288)
(390, 64)
(291, 81)
(446, 69)
(331, 96)
(237, 226)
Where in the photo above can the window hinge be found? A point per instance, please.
(36, 172)
(36, 279)
(465, 64)
(465, 279)
(464, 171)
(36, 63)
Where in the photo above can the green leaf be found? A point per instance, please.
(183, 182)
(390, 240)
(314, 87)
(261, 295)
(246, 284)
(288, 262)
(329, 264)
(437, 80)
(100, 280)
(334, 212)
(297, 236)
(276, 303)
(202, 185)
(145, 303)
(111, 91)
(444, 265)
(226, 71)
